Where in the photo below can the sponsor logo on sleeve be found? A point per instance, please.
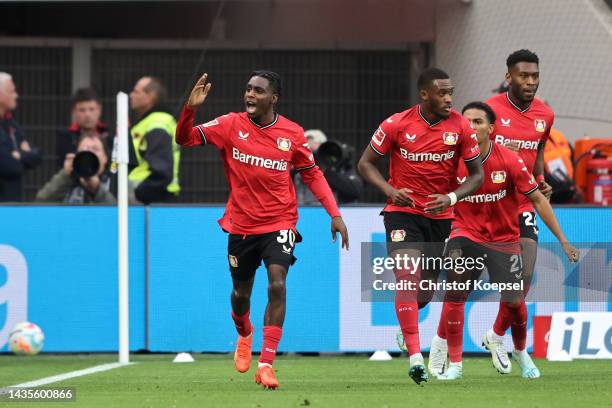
(213, 122)
(498, 176)
(398, 235)
(450, 138)
(379, 136)
(540, 125)
(283, 144)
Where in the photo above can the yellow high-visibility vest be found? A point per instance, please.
(155, 120)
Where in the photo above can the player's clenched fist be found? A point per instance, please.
(199, 92)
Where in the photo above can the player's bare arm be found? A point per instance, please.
(368, 168)
(544, 209)
(473, 181)
(337, 226)
(538, 172)
(199, 92)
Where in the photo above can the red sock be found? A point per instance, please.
(272, 335)
(407, 309)
(442, 322)
(408, 318)
(518, 324)
(243, 324)
(502, 321)
(454, 330)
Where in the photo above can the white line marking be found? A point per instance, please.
(65, 376)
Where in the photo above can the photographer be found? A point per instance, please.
(335, 159)
(84, 178)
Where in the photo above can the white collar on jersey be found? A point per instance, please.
(266, 126)
(425, 119)
(516, 107)
(489, 152)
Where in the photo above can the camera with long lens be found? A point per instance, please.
(86, 164)
(335, 154)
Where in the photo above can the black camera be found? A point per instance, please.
(86, 164)
(335, 154)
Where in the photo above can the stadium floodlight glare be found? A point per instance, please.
(122, 207)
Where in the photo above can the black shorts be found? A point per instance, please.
(245, 252)
(503, 263)
(406, 230)
(416, 232)
(528, 225)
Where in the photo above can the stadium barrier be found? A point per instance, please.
(58, 268)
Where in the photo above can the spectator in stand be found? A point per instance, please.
(559, 168)
(84, 178)
(16, 153)
(156, 175)
(86, 114)
(335, 160)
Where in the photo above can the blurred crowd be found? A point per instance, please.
(86, 169)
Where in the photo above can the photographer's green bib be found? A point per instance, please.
(155, 120)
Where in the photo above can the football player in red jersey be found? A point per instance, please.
(523, 123)
(426, 144)
(259, 148)
(486, 227)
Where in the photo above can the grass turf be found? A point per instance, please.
(334, 381)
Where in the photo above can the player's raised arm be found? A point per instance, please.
(186, 133)
(544, 209)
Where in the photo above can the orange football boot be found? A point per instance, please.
(242, 356)
(266, 377)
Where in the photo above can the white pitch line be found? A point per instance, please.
(65, 376)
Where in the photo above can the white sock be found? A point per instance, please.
(458, 364)
(494, 336)
(416, 358)
(259, 365)
(440, 340)
(521, 353)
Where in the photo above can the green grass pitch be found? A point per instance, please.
(326, 381)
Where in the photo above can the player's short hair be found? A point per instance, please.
(85, 95)
(273, 78)
(491, 117)
(523, 55)
(156, 86)
(429, 75)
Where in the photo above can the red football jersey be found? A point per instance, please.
(489, 214)
(529, 127)
(424, 155)
(257, 161)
